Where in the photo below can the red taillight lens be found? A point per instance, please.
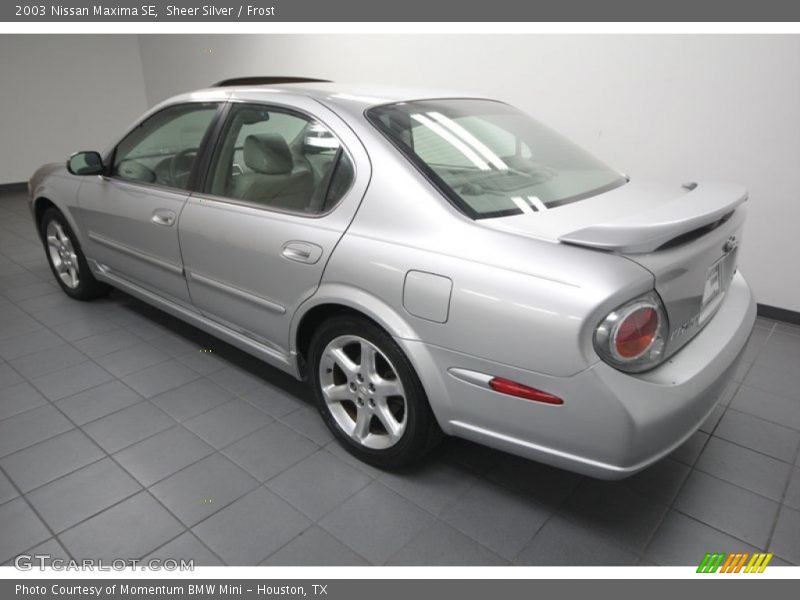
(512, 388)
(636, 333)
(632, 337)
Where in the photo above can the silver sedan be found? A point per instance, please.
(428, 262)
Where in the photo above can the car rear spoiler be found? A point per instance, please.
(703, 208)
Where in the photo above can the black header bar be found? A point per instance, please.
(401, 11)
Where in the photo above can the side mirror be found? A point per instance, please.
(85, 163)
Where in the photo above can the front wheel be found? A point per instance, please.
(368, 393)
(66, 259)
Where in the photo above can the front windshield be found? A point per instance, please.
(490, 159)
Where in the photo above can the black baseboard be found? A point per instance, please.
(778, 314)
(13, 188)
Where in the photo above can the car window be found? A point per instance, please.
(279, 159)
(163, 148)
(436, 150)
(490, 159)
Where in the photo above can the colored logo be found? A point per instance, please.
(736, 562)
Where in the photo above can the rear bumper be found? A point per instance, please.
(611, 424)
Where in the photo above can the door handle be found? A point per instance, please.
(163, 216)
(304, 252)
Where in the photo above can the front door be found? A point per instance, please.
(130, 216)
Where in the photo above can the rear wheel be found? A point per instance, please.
(66, 259)
(368, 393)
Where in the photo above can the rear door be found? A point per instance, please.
(283, 185)
(130, 215)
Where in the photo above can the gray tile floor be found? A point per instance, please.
(125, 433)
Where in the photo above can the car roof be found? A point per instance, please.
(351, 96)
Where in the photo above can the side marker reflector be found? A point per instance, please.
(512, 388)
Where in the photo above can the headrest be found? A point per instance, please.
(268, 153)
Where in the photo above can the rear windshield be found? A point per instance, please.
(490, 159)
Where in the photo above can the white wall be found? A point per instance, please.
(62, 93)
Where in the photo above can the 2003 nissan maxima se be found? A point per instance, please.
(428, 263)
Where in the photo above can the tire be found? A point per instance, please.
(66, 259)
(377, 408)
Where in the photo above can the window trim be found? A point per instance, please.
(205, 144)
(204, 195)
(337, 161)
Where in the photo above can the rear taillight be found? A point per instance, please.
(632, 337)
(636, 333)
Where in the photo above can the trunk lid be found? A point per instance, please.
(686, 236)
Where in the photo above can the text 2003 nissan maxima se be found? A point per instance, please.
(428, 263)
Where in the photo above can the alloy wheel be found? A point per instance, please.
(62, 255)
(363, 392)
